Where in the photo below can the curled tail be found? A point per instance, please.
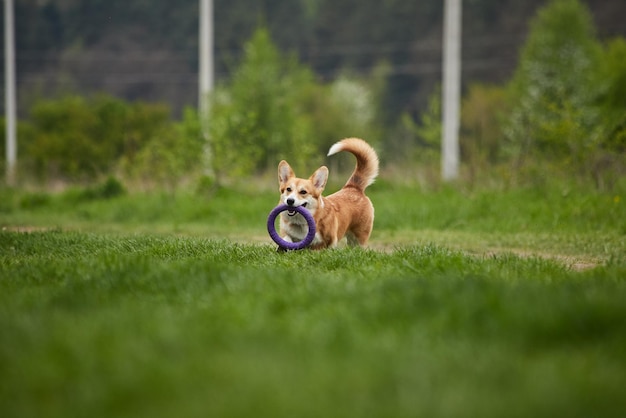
(366, 161)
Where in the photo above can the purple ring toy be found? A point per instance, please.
(271, 227)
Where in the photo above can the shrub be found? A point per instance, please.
(257, 117)
(273, 109)
(481, 128)
(77, 139)
(423, 138)
(169, 156)
(554, 90)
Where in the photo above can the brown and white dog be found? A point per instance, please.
(347, 212)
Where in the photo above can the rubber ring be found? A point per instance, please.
(271, 227)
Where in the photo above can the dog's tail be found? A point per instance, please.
(366, 161)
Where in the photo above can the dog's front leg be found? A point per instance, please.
(280, 249)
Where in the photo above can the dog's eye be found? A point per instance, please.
(288, 189)
(302, 192)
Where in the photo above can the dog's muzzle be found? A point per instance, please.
(290, 202)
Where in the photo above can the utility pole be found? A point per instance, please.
(205, 76)
(9, 85)
(451, 89)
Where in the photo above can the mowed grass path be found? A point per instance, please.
(137, 307)
(577, 228)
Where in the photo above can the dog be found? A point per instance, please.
(348, 212)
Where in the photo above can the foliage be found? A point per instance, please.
(610, 160)
(555, 90)
(76, 138)
(273, 109)
(340, 109)
(343, 108)
(75, 45)
(563, 112)
(427, 134)
(169, 156)
(482, 112)
(257, 118)
(110, 188)
(613, 97)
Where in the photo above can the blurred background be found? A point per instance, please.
(110, 89)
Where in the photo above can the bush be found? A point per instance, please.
(79, 139)
(108, 189)
(169, 156)
(481, 128)
(257, 118)
(612, 98)
(554, 93)
(428, 132)
(273, 109)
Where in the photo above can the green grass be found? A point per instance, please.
(468, 304)
(587, 228)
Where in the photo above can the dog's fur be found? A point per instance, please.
(347, 212)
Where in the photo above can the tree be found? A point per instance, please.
(555, 87)
(610, 161)
(257, 117)
(612, 99)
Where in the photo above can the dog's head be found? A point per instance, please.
(295, 191)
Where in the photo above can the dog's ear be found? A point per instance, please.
(284, 172)
(319, 178)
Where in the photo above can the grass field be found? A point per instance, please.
(467, 304)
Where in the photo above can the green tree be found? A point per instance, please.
(610, 156)
(273, 109)
(344, 108)
(613, 97)
(554, 89)
(257, 118)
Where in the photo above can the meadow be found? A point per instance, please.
(467, 303)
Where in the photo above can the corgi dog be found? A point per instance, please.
(348, 212)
